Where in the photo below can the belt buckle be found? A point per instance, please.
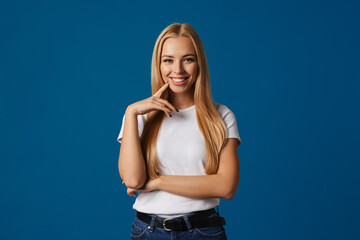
(164, 225)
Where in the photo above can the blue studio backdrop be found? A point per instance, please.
(289, 70)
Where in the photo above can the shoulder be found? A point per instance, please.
(226, 114)
(223, 110)
(230, 121)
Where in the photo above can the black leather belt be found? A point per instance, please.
(198, 220)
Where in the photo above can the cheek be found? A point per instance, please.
(193, 70)
(164, 70)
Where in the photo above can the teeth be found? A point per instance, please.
(179, 79)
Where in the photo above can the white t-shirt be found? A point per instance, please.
(181, 151)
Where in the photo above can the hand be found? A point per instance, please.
(130, 191)
(152, 103)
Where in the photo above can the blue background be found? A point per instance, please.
(289, 70)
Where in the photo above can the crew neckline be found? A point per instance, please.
(187, 109)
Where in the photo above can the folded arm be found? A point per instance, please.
(223, 184)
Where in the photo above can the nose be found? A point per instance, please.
(178, 67)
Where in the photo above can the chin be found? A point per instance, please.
(176, 90)
(179, 90)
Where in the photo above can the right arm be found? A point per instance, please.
(132, 165)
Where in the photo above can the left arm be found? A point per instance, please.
(223, 184)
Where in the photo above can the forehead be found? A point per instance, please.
(178, 46)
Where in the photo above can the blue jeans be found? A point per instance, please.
(141, 230)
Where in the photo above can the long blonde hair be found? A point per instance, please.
(209, 120)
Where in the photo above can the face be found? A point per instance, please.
(179, 64)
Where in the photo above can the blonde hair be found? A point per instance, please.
(209, 120)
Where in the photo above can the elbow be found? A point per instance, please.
(134, 183)
(132, 179)
(228, 193)
(229, 196)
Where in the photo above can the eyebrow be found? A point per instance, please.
(187, 55)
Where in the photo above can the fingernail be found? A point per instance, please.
(170, 109)
(177, 110)
(167, 81)
(170, 115)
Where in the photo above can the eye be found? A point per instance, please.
(167, 60)
(189, 60)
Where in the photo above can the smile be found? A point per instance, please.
(179, 81)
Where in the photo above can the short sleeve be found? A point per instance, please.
(141, 121)
(230, 122)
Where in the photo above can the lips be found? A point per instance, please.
(179, 80)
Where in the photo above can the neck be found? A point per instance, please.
(181, 100)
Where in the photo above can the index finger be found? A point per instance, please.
(162, 89)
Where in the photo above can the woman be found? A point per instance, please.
(186, 156)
